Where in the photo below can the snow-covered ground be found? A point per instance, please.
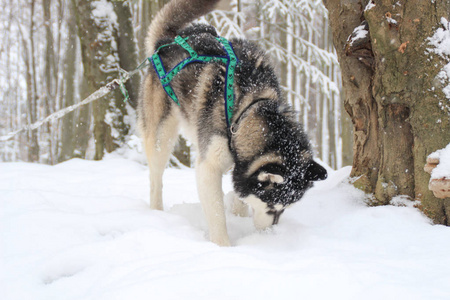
(83, 230)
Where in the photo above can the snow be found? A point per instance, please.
(358, 33)
(104, 10)
(443, 168)
(390, 20)
(82, 230)
(441, 46)
(369, 5)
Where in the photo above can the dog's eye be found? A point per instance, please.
(263, 185)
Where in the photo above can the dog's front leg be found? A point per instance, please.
(240, 208)
(209, 185)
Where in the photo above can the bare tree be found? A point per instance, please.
(29, 60)
(49, 83)
(68, 129)
(96, 31)
(126, 48)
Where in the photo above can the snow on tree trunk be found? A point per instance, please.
(97, 23)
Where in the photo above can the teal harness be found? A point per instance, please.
(230, 60)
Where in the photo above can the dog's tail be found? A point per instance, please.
(174, 16)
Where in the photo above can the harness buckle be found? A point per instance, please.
(233, 130)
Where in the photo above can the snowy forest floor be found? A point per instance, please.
(82, 230)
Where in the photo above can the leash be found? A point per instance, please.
(230, 60)
(166, 77)
(124, 76)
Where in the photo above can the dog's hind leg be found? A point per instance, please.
(158, 147)
(159, 127)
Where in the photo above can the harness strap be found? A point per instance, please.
(230, 60)
(182, 42)
(229, 79)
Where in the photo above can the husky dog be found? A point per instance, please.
(271, 155)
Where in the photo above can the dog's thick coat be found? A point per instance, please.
(271, 155)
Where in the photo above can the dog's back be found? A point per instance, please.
(200, 87)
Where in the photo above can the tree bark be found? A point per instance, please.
(182, 152)
(147, 13)
(83, 124)
(68, 141)
(127, 50)
(389, 95)
(49, 70)
(32, 136)
(359, 103)
(100, 62)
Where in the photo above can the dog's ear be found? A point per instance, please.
(273, 178)
(315, 172)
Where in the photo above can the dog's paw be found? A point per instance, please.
(221, 241)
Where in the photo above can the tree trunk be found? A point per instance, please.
(358, 102)
(347, 137)
(388, 83)
(49, 70)
(32, 137)
(127, 49)
(100, 62)
(147, 13)
(83, 124)
(182, 152)
(68, 141)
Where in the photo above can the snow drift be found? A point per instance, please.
(82, 230)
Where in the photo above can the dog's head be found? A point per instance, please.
(280, 172)
(275, 185)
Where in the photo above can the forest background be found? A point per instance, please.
(54, 53)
